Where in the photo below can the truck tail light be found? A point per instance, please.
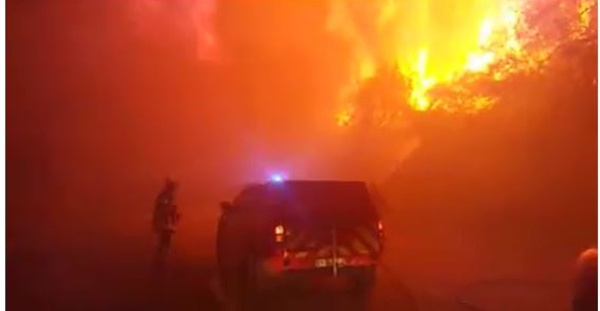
(380, 229)
(279, 233)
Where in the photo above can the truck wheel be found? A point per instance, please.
(251, 284)
(366, 278)
(365, 283)
(260, 291)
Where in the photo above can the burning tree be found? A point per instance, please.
(518, 43)
(523, 51)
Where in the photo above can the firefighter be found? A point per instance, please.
(585, 295)
(165, 216)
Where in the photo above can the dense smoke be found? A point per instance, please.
(119, 94)
(106, 98)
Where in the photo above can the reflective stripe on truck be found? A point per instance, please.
(303, 244)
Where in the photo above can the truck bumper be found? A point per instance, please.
(347, 278)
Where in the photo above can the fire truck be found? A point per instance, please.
(299, 235)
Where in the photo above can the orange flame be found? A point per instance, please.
(435, 47)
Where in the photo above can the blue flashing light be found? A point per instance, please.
(277, 178)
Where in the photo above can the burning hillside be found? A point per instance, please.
(293, 67)
(449, 55)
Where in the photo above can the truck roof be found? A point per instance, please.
(312, 200)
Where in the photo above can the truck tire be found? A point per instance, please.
(365, 283)
(252, 285)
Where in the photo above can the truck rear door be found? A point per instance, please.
(330, 226)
